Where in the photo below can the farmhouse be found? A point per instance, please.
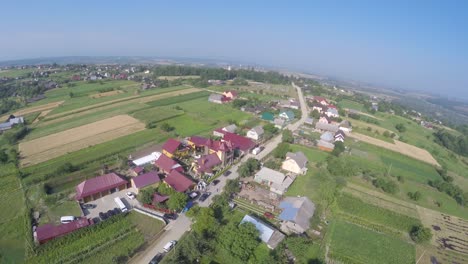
(48, 232)
(332, 112)
(267, 116)
(145, 179)
(268, 235)
(339, 136)
(345, 125)
(321, 100)
(166, 165)
(327, 136)
(231, 94)
(178, 181)
(255, 133)
(95, 188)
(295, 163)
(296, 214)
(277, 181)
(309, 121)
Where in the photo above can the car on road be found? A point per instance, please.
(204, 196)
(170, 216)
(156, 259)
(215, 182)
(130, 195)
(170, 245)
(227, 173)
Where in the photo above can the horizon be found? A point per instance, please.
(417, 47)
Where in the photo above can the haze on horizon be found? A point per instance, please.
(421, 45)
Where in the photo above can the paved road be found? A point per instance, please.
(175, 229)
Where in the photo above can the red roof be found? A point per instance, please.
(198, 141)
(217, 145)
(158, 198)
(178, 181)
(98, 184)
(167, 164)
(49, 231)
(138, 169)
(171, 145)
(239, 142)
(233, 93)
(146, 179)
(320, 98)
(207, 162)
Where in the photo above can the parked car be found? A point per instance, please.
(193, 195)
(215, 182)
(88, 206)
(130, 195)
(269, 215)
(117, 211)
(226, 173)
(170, 245)
(170, 216)
(204, 196)
(110, 213)
(156, 259)
(67, 219)
(103, 215)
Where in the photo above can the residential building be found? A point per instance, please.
(267, 116)
(277, 181)
(295, 163)
(231, 94)
(279, 123)
(206, 163)
(345, 125)
(178, 181)
(332, 112)
(173, 147)
(322, 127)
(268, 235)
(95, 188)
(216, 98)
(145, 179)
(324, 119)
(167, 165)
(296, 214)
(327, 136)
(325, 146)
(339, 136)
(255, 133)
(287, 115)
(321, 100)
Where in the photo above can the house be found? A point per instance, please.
(148, 159)
(196, 142)
(345, 125)
(145, 179)
(137, 171)
(220, 131)
(322, 127)
(332, 112)
(309, 121)
(206, 163)
(277, 181)
(76, 78)
(321, 100)
(296, 214)
(268, 235)
(159, 198)
(287, 115)
(238, 142)
(172, 148)
(327, 136)
(15, 120)
(178, 181)
(231, 94)
(166, 165)
(295, 163)
(279, 123)
(224, 150)
(216, 98)
(48, 232)
(267, 116)
(319, 107)
(255, 133)
(325, 146)
(95, 188)
(324, 119)
(339, 136)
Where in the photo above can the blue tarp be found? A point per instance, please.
(289, 212)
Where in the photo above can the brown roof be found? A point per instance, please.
(171, 145)
(178, 181)
(98, 184)
(146, 179)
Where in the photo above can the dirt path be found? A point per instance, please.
(400, 147)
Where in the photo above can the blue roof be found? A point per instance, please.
(289, 213)
(5, 125)
(265, 231)
(289, 113)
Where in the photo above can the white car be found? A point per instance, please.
(130, 195)
(170, 245)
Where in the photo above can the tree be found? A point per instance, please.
(420, 234)
(205, 222)
(71, 94)
(339, 148)
(287, 136)
(414, 196)
(340, 166)
(315, 114)
(177, 201)
(3, 156)
(145, 196)
(241, 240)
(249, 167)
(281, 150)
(166, 127)
(400, 127)
(232, 186)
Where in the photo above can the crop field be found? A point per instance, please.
(110, 93)
(354, 244)
(35, 109)
(48, 147)
(400, 147)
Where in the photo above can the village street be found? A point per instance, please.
(175, 229)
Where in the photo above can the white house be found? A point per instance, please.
(345, 125)
(295, 163)
(277, 181)
(332, 112)
(255, 133)
(339, 136)
(324, 119)
(287, 115)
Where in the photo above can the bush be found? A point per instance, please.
(416, 196)
(281, 150)
(420, 234)
(166, 127)
(400, 127)
(388, 186)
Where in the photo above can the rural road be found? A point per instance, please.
(175, 229)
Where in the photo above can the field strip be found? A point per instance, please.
(365, 114)
(381, 200)
(400, 147)
(42, 114)
(115, 103)
(34, 109)
(110, 93)
(55, 145)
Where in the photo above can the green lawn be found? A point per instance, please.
(60, 209)
(353, 244)
(15, 72)
(308, 185)
(314, 155)
(345, 103)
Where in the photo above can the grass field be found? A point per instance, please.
(354, 244)
(351, 105)
(15, 73)
(314, 155)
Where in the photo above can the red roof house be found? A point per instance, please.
(166, 164)
(239, 142)
(145, 179)
(159, 198)
(178, 181)
(197, 141)
(97, 187)
(137, 170)
(170, 147)
(47, 232)
(206, 163)
(321, 100)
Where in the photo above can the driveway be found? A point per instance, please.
(175, 229)
(107, 203)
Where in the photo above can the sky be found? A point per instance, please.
(413, 45)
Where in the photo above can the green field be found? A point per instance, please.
(15, 73)
(314, 155)
(345, 103)
(353, 244)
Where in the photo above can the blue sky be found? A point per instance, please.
(417, 45)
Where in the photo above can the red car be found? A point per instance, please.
(269, 215)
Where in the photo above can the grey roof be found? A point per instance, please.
(325, 144)
(282, 187)
(345, 123)
(298, 210)
(258, 130)
(279, 121)
(327, 136)
(327, 127)
(332, 110)
(231, 128)
(215, 97)
(269, 235)
(270, 175)
(309, 120)
(5, 126)
(298, 157)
